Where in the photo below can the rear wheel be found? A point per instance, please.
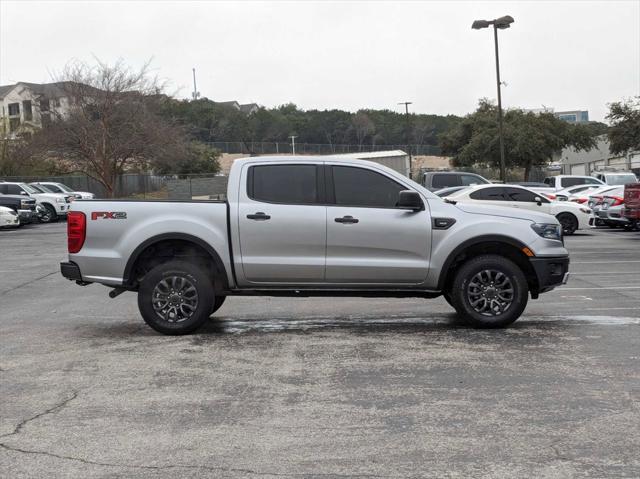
(489, 291)
(176, 298)
(568, 222)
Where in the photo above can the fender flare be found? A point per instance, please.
(469, 243)
(133, 258)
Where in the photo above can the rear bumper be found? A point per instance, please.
(550, 271)
(71, 271)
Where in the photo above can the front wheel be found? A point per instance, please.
(489, 291)
(176, 298)
(568, 222)
(218, 302)
(48, 214)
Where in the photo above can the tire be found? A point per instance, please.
(447, 298)
(217, 303)
(176, 298)
(51, 216)
(486, 271)
(568, 222)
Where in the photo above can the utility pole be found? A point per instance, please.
(195, 93)
(501, 23)
(293, 144)
(407, 132)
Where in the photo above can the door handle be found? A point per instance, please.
(259, 216)
(346, 219)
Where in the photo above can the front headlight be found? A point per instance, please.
(24, 204)
(586, 210)
(60, 200)
(548, 230)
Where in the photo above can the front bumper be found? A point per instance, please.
(70, 270)
(551, 271)
(27, 216)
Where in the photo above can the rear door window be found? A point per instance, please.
(288, 184)
(569, 181)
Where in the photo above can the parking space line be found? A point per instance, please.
(601, 287)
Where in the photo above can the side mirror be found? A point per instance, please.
(24, 193)
(538, 200)
(410, 200)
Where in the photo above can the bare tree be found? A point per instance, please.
(110, 123)
(363, 127)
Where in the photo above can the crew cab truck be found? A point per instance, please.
(314, 226)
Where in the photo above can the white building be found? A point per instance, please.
(599, 158)
(27, 106)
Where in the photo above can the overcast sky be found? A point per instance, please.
(348, 55)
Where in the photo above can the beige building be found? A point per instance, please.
(27, 106)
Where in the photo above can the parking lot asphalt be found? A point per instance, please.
(319, 387)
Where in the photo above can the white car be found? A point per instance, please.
(568, 193)
(582, 197)
(8, 218)
(571, 216)
(65, 190)
(56, 204)
(616, 177)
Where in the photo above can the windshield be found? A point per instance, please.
(41, 189)
(29, 189)
(621, 179)
(64, 188)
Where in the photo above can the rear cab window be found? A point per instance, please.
(446, 180)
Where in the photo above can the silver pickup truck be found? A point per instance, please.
(314, 226)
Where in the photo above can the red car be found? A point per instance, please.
(632, 203)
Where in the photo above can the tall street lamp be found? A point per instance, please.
(407, 129)
(499, 23)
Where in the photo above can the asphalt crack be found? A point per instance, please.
(62, 404)
(27, 283)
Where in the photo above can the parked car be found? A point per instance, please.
(436, 180)
(571, 216)
(632, 203)
(24, 207)
(447, 191)
(315, 226)
(611, 211)
(57, 205)
(616, 177)
(8, 218)
(65, 190)
(528, 184)
(560, 182)
(567, 193)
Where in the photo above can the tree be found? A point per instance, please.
(362, 127)
(112, 124)
(530, 140)
(624, 133)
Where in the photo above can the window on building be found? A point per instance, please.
(45, 105)
(289, 184)
(28, 112)
(365, 188)
(14, 109)
(45, 118)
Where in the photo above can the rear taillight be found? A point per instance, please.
(617, 201)
(580, 200)
(550, 196)
(76, 230)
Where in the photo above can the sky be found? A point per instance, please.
(348, 55)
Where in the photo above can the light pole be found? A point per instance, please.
(407, 128)
(293, 144)
(499, 23)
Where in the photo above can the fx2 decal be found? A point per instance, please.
(109, 215)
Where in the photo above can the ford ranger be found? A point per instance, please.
(314, 226)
